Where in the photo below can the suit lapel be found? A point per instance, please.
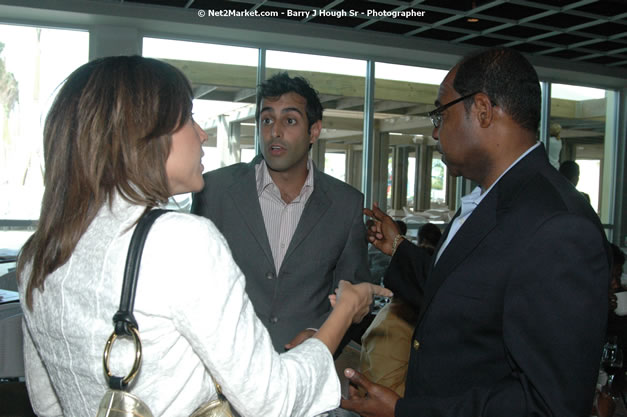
(317, 204)
(445, 234)
(470, 234)
(482, 221)
(243, 191)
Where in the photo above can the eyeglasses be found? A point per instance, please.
(436, 115)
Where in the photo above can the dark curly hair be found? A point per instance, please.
(282, 83)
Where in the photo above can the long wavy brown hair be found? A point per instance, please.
(108, 131)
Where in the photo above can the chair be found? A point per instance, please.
(11, 353)
(396, 213)
(14, 401)
(440, 214)
(8, 281)
(416, 219)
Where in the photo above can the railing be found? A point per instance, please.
(8, 224)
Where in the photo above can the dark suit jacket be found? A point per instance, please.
(513, 314)
(329, 244)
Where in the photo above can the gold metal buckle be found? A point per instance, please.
(138, 355)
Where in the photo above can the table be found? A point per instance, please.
(7, 296)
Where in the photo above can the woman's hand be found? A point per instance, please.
(357, 298)
(350, 304)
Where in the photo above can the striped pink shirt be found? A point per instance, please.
(280, 218)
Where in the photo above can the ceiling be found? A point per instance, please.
(568, 33)
(580, 31)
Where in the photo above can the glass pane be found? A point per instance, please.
(403, 95)
(248, 154)
(224, 80)
(438, 182)
(411, 179)
(388, 189)
(335, 165)
(589, 179)
(340, 85)
(577, 133)
(33, 63)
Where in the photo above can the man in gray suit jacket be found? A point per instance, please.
(293, 230)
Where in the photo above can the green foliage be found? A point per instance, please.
(9, 93)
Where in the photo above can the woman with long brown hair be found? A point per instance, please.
(119, 140)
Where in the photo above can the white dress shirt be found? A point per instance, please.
(280, 218)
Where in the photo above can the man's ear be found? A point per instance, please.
(485, 111)
(314, 131)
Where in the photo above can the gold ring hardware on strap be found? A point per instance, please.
(138, 355)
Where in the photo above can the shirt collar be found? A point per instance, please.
(476, 195)
(470, 201)
(264, 180)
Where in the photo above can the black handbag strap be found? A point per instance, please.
(124, 316)
(124, 322)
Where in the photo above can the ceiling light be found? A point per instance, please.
(473, 6)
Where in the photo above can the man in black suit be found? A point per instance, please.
(513, 309)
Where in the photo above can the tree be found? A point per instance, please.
(8, 98)
(8, 87)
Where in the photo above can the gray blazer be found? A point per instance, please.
(329, 244)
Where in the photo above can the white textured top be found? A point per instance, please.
(193, 315)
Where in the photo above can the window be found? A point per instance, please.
(411, 178)
(577, 133)
(340, 85)
(403, 95)
(439, 179)
(33, 63)
(335, 164)
(224, 80)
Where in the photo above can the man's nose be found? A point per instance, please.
(276, 130)
(202, 135)
(435, 132)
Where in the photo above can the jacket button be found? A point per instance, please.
(416, 344)
(269, 275)
(274, 319)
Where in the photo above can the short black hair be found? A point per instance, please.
(282, 83)
(402, 226)
(430, 234)
(569, 169)
(508, 78)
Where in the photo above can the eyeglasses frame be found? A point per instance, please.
(436, 115)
